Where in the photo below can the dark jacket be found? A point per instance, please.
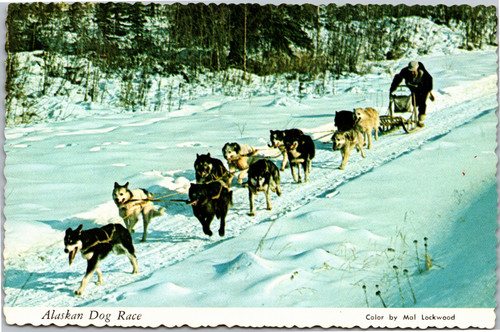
(422, 84)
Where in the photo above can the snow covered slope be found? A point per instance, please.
(340, 231)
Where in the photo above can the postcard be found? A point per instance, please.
(316, 164)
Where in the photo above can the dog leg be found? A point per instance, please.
(99, 276)
(345, 156)
(275, 186)
(206, 225)
(268, 198)
(232, 170)
(146, 219)
(133, 261)
(222, 225)
(134, 265)
(369, 134)
(360, 147)
(158, 213)
(91, 267)
(130, 253)
(230, 178)
(292, 168)
(251, 198)
(128, 250)
(127, 223)
(285, 161)
(362, 152)
(305, 165)
(133, 219)
(84, 283)
(242, 175)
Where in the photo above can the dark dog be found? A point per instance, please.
(95, 244)
(345, 142)
(300, 150)
(344, 120)
(209, 200)
(278, 141)
(263, 175)
(239, 157)
(209, 169)
(132, 203)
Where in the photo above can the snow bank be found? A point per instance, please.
(324, 252)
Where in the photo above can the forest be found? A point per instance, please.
(137, 41)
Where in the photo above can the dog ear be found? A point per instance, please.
(69, 230)
(79, 229)
(116, 185)
(126, 185)
(208, 155)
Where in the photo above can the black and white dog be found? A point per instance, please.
(209, 200)
(263, 175)
(344, 120)
(239, 157)
(210, 169)
(277, 138)
(301, 151)
(95, 244)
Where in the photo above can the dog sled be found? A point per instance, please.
(402, 111)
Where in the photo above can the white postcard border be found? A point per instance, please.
(254, 317)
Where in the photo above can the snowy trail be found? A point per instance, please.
(41, 277)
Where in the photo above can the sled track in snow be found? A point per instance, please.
(177, 235)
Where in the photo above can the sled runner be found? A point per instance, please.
(402, 111)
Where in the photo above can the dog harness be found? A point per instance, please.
(108, 240)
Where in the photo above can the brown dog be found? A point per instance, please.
(366, 121)
(345, 142)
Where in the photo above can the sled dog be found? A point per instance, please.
(345, 142)
(301, 151)
(239, 157)
(132, 203)
(95, 244)
(263, 175)
(209, 200)
(367, 120)
(210, 169)
(277, 138)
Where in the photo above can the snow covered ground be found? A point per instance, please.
(322, 242)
